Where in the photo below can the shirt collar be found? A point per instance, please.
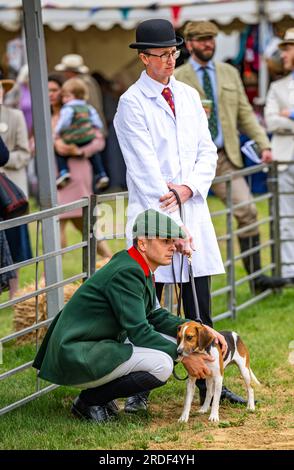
(196, 66)
(156, 86)
(134, 253)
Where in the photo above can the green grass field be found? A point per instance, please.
(267, 328)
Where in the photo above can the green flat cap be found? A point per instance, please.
(154, 224)
(200, 29)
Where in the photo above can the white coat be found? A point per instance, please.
(280, 96)
(159, 148)
(16, 140)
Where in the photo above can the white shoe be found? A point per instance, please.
(63, 179)
(102, 182)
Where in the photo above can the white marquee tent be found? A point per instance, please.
(100, 30)
(104, 14)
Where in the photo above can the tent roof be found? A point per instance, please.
(58, 14)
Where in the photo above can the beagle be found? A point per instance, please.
(192, 338)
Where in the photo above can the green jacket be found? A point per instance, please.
(235, 111)
(86, 339)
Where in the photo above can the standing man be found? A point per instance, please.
(164, 137)
(112, 339)
(279, 117)
(230, 111)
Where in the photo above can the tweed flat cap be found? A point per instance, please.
(200, 29)
(153, 224)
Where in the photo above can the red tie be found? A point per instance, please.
(167, 94)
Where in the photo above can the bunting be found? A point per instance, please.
(175, 11)
(125, 12)
(94, 10)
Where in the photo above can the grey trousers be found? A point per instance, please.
(286, 202)
(157, 363)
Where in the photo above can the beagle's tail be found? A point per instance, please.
(253, 378)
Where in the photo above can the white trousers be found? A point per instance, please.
(286, 202)
(157, 363)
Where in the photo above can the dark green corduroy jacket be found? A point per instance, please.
(85, 340)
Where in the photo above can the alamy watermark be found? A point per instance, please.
(112, 221)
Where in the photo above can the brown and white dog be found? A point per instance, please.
(195, 338)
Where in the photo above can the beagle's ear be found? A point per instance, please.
(179, 333)
(205, 338)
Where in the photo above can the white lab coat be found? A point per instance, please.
(280, 96)
(159, 148)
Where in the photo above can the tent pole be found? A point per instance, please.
(263, 76)
(36, 54)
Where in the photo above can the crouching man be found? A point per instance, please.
(112, 339)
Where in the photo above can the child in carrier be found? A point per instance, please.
(77, 125)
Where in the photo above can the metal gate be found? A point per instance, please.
(88, 246)
(231, 281)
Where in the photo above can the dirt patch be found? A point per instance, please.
(270, 427)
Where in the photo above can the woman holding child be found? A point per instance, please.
(79, 166)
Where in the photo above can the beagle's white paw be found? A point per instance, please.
(184, 418)
(214, 418)
(203, 409)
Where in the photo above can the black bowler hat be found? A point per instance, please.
(155, 33)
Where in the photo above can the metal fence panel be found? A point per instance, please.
(88, 245)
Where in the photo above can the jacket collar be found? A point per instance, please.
(220, 77)
(134, 253)
(192, 78)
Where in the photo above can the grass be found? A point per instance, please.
(267, 329)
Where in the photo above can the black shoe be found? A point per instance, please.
(95, 413)
(232, 397)
(112, 408)
(262, 282)
(137, 402)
